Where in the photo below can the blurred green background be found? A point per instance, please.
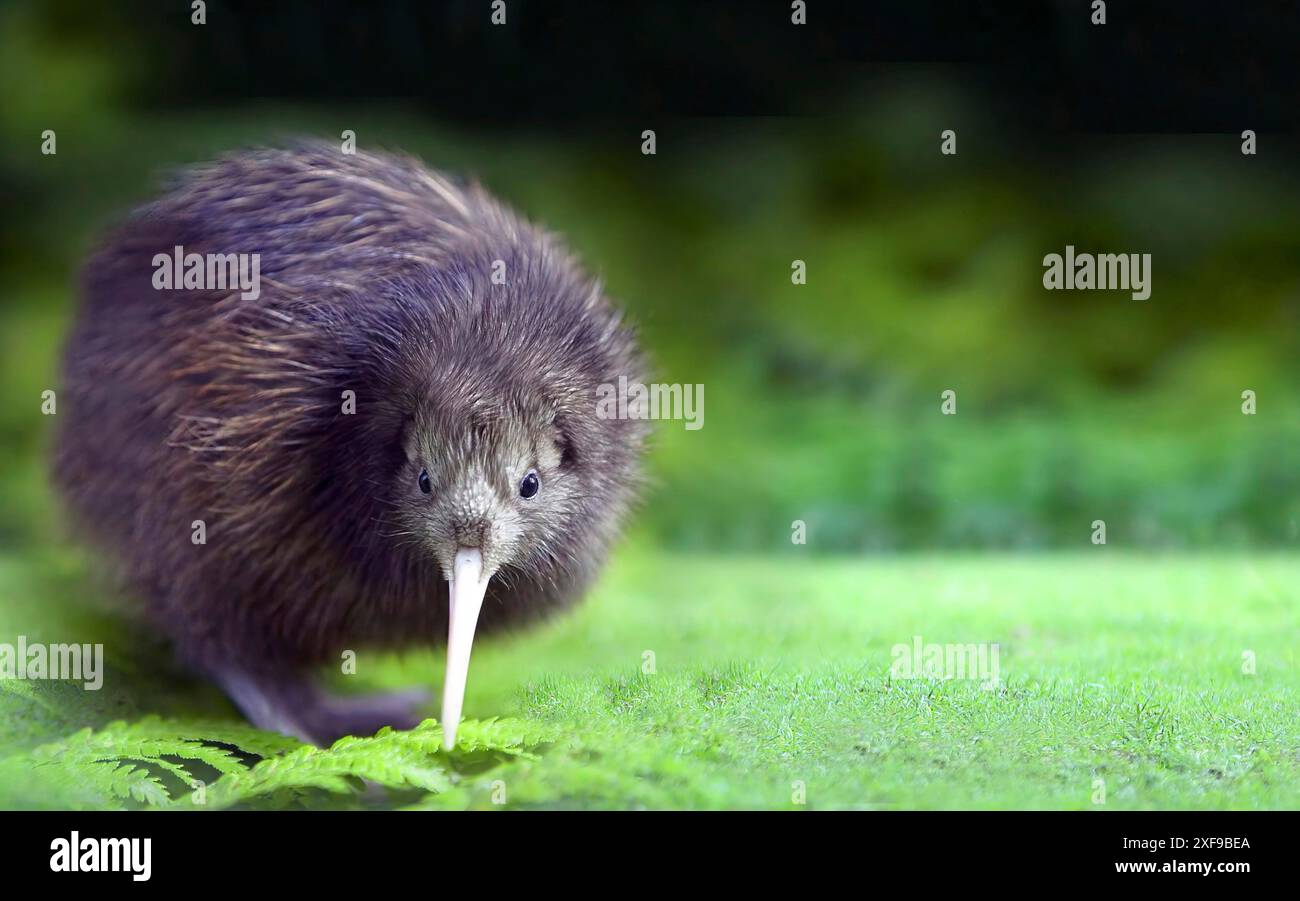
(821, 400)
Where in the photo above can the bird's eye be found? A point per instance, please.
(530, 485)
(425, 486)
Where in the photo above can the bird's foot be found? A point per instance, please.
(294, 705)
(340, 715)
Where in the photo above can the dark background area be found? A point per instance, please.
(1154, 67)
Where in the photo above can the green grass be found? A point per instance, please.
(772, 672)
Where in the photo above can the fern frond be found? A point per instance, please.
(508, 736)
(125, 764)
(137, 783)
(112, 766)
(392, 759)
(247, 738)
(400, 760)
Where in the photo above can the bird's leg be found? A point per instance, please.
(293, 704)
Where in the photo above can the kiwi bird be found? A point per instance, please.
(390, 437)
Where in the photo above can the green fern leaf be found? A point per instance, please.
(392, 759)
(131, 764)
(116, 764)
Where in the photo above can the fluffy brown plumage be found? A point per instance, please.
(201, 405)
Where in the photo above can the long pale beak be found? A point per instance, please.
(468, 585)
